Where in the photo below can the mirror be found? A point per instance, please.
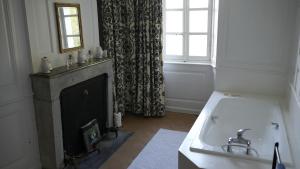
(69, 26)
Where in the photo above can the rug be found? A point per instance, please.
(161, 152)
(107, 147)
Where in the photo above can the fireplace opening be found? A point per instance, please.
(84, 114)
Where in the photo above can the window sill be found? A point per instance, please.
(204, 63)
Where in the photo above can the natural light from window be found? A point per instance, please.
(187, 30)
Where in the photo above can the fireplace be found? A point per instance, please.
(64, 96)
(80, 105)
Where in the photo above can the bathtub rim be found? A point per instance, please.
(205, 114)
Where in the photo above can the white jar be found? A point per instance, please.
(99, 52)
(45, 65)
(104, 55)
(81, 57)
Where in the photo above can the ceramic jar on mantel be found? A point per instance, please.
(45, 65)
(99, 52)
(81, 57)
(104, 55)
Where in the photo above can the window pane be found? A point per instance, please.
(174, 21)
(174, 4)
(198, 45)
(198, 3)
(174, 44)
(198, 21)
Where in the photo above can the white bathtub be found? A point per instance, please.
(240, 112)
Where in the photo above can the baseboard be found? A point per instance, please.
(184, 105)
(182, 110)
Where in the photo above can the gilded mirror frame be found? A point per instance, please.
(58, 26)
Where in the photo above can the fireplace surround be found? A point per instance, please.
(47, 89)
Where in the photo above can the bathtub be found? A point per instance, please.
(224, 114)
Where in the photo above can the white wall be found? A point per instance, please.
(292, 112)
(188, 86)
(254, 41)
(18, 136)
(43, 33)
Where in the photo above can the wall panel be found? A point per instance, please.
(43, 32)
(255, 39)
(188, 86)
(18, 143)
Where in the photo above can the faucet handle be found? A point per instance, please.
(240, 132)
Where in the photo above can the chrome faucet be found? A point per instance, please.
(239, 140)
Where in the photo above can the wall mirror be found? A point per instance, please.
(69, 26)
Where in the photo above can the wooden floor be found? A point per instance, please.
(144, 129)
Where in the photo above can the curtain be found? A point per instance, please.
(132, 34)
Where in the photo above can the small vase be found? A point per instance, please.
(81, 57)
(45, 65)
(104, 55)
(99, 52)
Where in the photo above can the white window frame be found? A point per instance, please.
(185, 57)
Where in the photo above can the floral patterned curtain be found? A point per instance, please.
(132, 33)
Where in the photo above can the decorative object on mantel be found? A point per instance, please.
(59, 71)
(99, 52)
(104, 55)
(90, 55)
(81, 57)
(69, 61)
(46, 65)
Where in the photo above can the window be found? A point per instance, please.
(187, 30)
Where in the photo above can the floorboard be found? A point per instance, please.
(144, 129)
